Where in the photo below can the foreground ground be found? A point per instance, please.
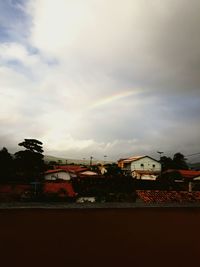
(100, 237)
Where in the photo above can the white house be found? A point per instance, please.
(141, 167)
(52, 175)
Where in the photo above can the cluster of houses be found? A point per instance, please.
(59, 180)
(140, 167)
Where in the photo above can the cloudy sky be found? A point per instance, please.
(100, 77)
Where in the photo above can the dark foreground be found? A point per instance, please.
(100, 237)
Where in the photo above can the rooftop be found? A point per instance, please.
(155, 196)
(189, 174)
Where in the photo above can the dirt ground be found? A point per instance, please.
(100, 237)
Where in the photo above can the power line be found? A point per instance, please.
(193, 154)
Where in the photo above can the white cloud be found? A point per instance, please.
(87, 56)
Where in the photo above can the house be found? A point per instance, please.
(57, 174)
(141, 167)
(72, 169)
(189, 176)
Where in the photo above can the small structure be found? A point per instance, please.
(57, 174)
(141, 167)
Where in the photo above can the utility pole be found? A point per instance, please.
(91, 160)
(160, 153)
(105, 158)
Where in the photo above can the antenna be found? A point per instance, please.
(91, 160)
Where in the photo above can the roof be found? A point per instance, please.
(188, 174)
(73, 168)
(156, 196)
(135, 158)
(54, 171)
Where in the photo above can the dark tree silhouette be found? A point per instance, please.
(32, 145)
(179, 161)
(112, 169)
(167, 163)
(29, 162)
(7, 165)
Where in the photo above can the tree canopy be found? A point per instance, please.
(32, 145)
(7, 165)
(29, 162)
(178, 162)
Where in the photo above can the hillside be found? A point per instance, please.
(48, 158)
(194, 166)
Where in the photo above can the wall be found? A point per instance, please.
(148, 165)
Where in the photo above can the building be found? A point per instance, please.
(191, 177)
(57, 174)
(141, 167)
(74, 170)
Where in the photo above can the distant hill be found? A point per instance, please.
(195, 166)
(48, 158)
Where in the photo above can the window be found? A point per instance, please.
(154, 165)
(142, 165)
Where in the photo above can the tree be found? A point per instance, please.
(32, 145)
(167, 163)
(179, 161)
(29, 162)
(7, 166)
(113, 169)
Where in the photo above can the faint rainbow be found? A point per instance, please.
(110, 99)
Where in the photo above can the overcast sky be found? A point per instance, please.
(100, 77)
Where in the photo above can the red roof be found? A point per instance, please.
(72, 168)
(156, 196)
(185, 173)
(135, 158)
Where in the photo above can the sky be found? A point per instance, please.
(100, 77)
